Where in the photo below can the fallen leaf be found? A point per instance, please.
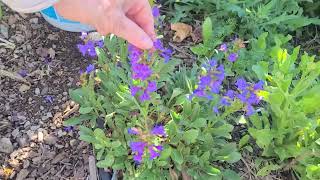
(182, 31)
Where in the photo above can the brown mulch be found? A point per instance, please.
(33, 142)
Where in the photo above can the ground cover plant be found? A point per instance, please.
(162, 119)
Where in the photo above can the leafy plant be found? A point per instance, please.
(246, 18)
(290, 128)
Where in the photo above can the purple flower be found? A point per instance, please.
(241, 84)
(152, 86)
(158, 45)
(90, 68)
(23, 73)
(230, 94)
(159, 131)
(141, 71)
(210, 82)
(68, 128)
(134, 90)
(83, 49)
(133, 131)
(249, 110)
(233, 57)
(155, 12)
(258, 86)
(155, 151)
(225, 102)
(145, 96)
(166, 54)
(49, 99)
(88, 48)
(100, 44)
(223, 47)
(215, 109)
(138, 149)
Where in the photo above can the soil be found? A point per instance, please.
(35, 76)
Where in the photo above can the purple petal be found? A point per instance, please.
(152, 86)
(133, 131)
(223, 47)
(134, 90)
(158, 130)
(145, 96)
(90, 68)
(233, 57)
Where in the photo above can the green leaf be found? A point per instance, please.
(107, 162)
(115, 144)
(207, 31)
(244, 140)
(190, 136)
(212, 171)
(199, 123)
(165, 154)
(263, 137)
(267, 169)
(176, 156)
(77, 95)
(85, 110)
(100, 153)
(261, 43)
(261, 70)
(230, 175)
(200, 50)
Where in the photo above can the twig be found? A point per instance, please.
(13, 76)
(7, 44)
(249, 168)
(58, 173)
(92, 168)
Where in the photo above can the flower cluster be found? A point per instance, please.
(89, 47)
(231, 56)
(138, 148)
(248, 94)
(165, 53)
(210, 81)
(141, 71)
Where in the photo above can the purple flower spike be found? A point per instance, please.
(233, 57)
(141, 71)
(83, 49)
(90, 68)
(152, 86)
(159, 131)
(138, 158)
(249, 110)
(223, 47)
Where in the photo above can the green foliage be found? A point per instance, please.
(247, 18)
(197, 139)
(290, 128)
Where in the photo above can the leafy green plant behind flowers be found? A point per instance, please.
(248, 18)
(291, 129)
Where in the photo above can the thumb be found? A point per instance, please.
(134, 34)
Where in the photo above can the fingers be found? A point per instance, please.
(142, 15)
(129, 30)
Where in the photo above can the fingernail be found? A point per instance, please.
(148, 42)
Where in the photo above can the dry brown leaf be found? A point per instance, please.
(197, 35)
(182, 31)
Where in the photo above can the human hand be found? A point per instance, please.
(129, 19)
